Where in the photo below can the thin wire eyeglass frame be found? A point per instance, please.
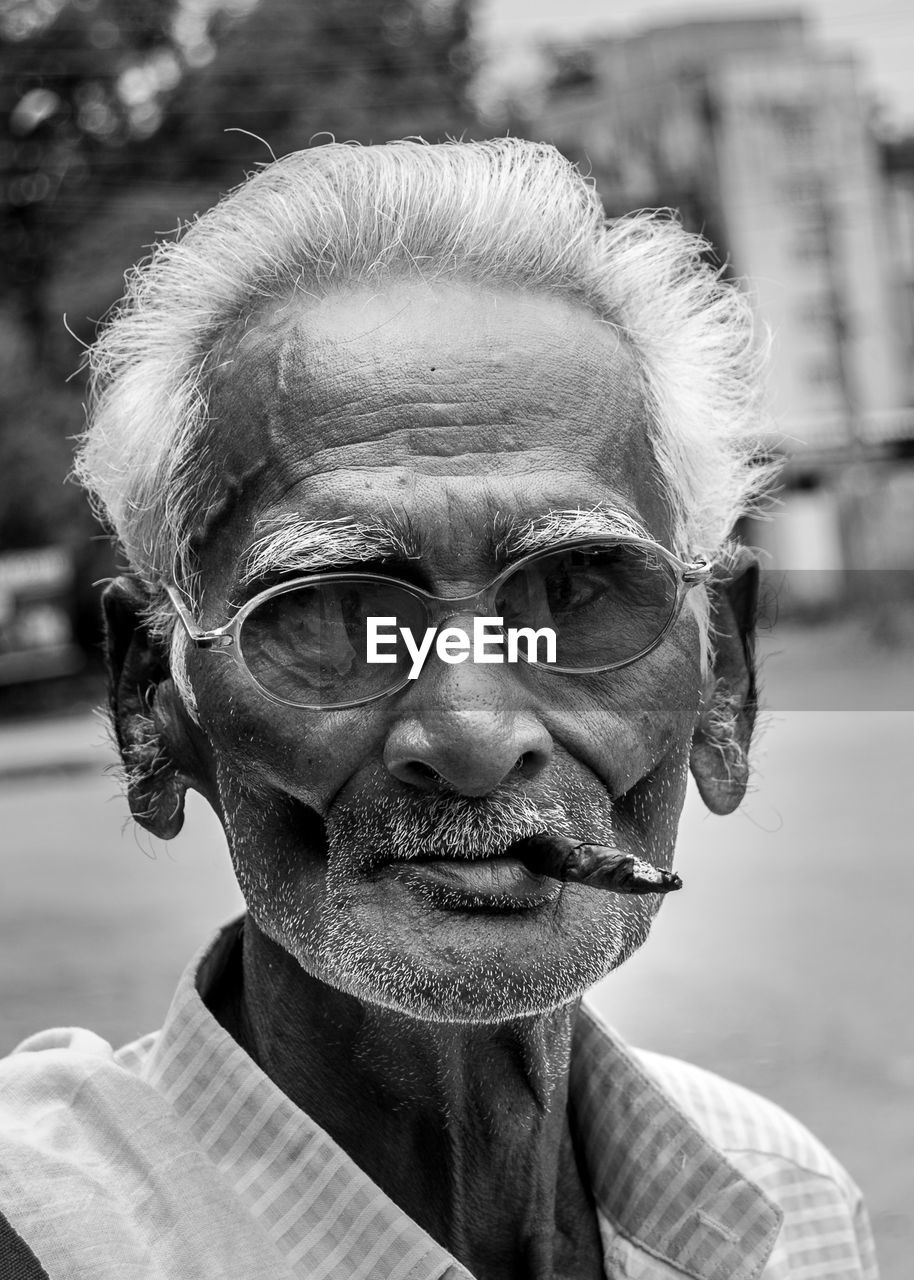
(226, 639)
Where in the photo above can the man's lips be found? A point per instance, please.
(494, 881)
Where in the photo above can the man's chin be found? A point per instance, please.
(475, 983)
(468, 999)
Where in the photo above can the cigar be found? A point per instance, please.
(597, 865)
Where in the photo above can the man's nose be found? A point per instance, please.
(470, 727)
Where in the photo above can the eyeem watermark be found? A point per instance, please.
(454, 645)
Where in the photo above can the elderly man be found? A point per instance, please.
(379, 417)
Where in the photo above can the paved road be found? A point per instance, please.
(785, 963)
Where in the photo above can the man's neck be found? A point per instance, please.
(465, 1127)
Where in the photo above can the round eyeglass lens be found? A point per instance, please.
(607, 603)
(309, 646)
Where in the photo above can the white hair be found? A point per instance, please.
(505, 211)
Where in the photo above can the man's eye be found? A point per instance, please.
(572, 591)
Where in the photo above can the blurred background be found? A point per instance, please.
(785, 135)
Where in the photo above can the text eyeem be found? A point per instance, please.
(453, 644)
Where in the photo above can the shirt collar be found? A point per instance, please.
(659, 1184)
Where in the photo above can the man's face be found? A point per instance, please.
(455, 408)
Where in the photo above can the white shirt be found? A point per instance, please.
(176, 1156)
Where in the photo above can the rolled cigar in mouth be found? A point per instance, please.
(597, 865)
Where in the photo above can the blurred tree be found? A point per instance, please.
(99, 97)
(78, 84)
(36, 457)
(288, 70)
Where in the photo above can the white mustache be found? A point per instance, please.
(394, 828)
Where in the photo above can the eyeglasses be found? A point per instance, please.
(307, 642)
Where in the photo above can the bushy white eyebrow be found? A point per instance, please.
(554, 527)
(293, 544)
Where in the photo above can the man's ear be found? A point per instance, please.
(152, 727)
(720, 744)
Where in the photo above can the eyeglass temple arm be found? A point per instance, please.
(202, 639)
(699, 570)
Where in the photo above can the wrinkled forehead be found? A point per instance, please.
(417, 393)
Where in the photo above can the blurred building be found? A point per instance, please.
(898, 179)
(762, 138)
